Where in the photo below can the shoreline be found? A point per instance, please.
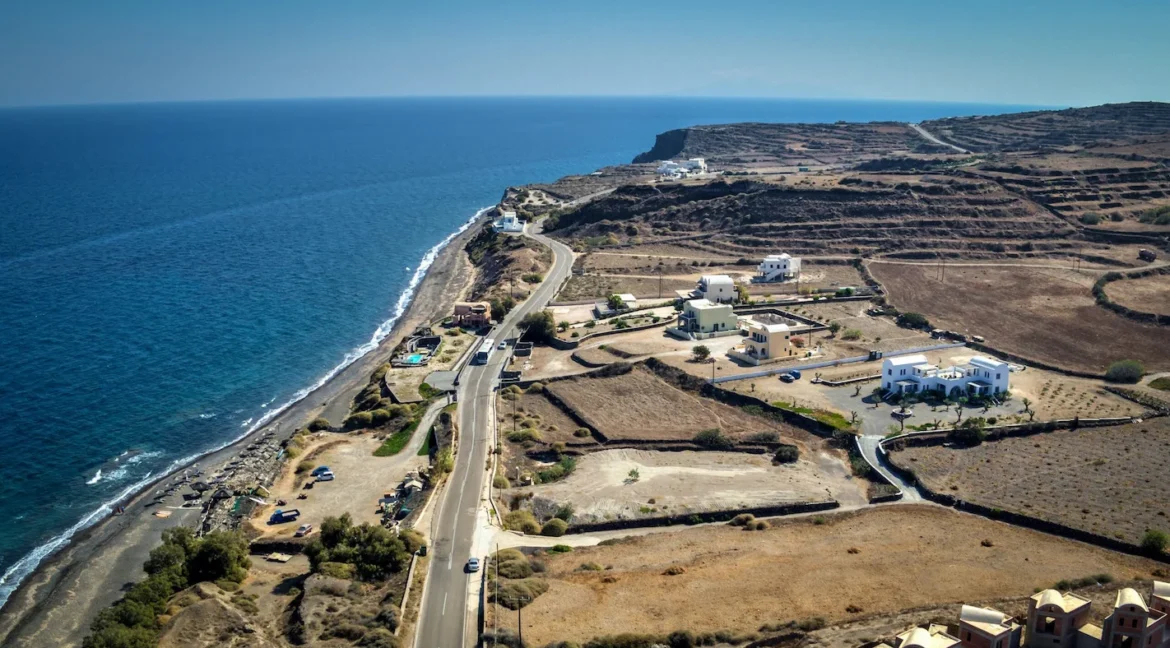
(54, 603)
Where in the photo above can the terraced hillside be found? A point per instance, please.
(1049, 129)
(1113, 186)
(755, 145)
(852, 215)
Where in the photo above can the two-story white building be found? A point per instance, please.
(716, 288)
(778, 267)
(911, 374)
(509, 223)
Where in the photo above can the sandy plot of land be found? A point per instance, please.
(1048, 315)
(361, 479)
(675, 483)
(638, 405)
(907, 556)
(1104, 480)
(1149, 294)
(599, 286)
(670, 250)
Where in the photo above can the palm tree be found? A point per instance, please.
(959, 404)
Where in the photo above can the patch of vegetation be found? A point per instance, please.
(1154, 542)
(714, 438)
(318, 424)
(787, 454)
(540, 325)
(1090, 218)
(374, 552)
(851, 334)
(522, 521)
(1087, 581)
(397, 441)
(1125, 371)
(559, 549)
(516, 594)
(1162, 383)
(559, 470)
(532, 277)
(969, 433)
(555, 528)
(700, 352)
(913, 320)
(428, 392)
(832, 419)
(180, 561)
(1156, 216)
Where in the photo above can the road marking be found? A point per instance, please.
(444, 613)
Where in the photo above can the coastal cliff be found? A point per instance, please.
(666, 146)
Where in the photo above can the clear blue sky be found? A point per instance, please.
(1052, 52)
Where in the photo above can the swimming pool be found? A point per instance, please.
(415, 358)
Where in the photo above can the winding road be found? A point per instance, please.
(931, 138)
(446, 605)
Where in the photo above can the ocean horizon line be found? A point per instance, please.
(540, 97)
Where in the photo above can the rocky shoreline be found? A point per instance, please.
(56, 603)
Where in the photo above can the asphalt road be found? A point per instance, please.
(445, 606)
(927, 135)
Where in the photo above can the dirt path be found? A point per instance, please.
(931, 138)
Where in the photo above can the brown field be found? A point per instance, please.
(638, 405)
(907, 556)
(554, 424)
(680, 483)
(1105, 480)
(1148, 294)
(1044, 314)
(599, 286)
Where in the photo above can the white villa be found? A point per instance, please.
(509, 223)
(716, 288)
(673, 169)
(778, 267)
(701, 319)
(910, 374)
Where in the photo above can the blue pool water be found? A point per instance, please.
(414, 358)
(171, 275)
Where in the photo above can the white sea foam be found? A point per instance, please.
(209, 415)
(20, 570)
(97, 477)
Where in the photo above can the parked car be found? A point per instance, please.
(318, 470)
(502, 345)
(325, 476)
(472, 565)
(303, 530)
(795, 374)
(786, 377)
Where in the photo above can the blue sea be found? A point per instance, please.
(172, 275)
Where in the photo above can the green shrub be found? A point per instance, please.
(1090, 218)
(584, 432)
(555, 528)
(560, 548)
(373, 551)
(713, 438)
(969, 433)
(524, 435)
(764, 437)
(565, 512)
(522, 521)
(532, 277)
(515, 569)
(913, 320)
(787, 454)
(1154, 542)
(379, 638)
(337, 570)
(1125, 371)
(516, 594)
(590, 566)
(358, 421)
(851, 334)
(319, 423)
(743, 519)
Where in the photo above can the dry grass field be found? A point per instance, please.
(1105, 480)
(550, 421)
(638, 405)
(1043, 314)
(1149, 294)
(600, 286)
(881, 560)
